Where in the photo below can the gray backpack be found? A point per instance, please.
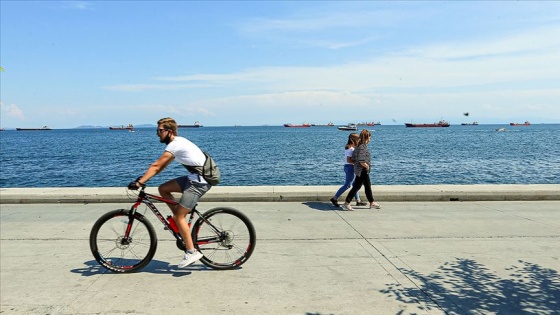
(209, 170)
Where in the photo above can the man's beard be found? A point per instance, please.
(165, 140)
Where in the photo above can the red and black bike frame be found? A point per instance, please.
(145, 198)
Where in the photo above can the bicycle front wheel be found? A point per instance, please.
(225, 236)
(114, 250)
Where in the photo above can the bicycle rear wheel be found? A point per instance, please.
(225, 236)
(115, 252)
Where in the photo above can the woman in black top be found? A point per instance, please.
(362, 164)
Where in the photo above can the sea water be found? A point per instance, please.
(275, 155)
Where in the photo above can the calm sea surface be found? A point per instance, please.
(272, 155)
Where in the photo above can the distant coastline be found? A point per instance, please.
(105, 127)
(147, 126)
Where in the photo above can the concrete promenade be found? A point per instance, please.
(409, 257)
(295, 193)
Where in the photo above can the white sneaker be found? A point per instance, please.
(189, 259)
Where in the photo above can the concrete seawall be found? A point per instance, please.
(292, 193)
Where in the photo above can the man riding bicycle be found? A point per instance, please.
(192, 186)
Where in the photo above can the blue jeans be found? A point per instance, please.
(349, 171)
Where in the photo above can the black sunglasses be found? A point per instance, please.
(159, 131)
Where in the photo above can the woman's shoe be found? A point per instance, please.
(361, 203)
(375, 205)
(335, 202)
(347, 207)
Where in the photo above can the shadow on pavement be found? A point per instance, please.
(466, 287)
(93, 268)
(322, 206)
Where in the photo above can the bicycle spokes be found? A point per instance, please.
(225, 237)
(123, 244)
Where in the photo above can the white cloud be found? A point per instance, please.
(12, 111)
(319, 20)
(338, 43)
(288, 101)
(454, 64)
(80, 5)
(534, 40)
(332, 28)
(492, 75)
(152, 87)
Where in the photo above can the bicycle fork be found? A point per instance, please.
(126, 239)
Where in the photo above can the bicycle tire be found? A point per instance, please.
(111, 251)
(232, 246)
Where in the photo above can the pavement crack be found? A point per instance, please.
(519, 216)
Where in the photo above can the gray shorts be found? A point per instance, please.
(192, 191)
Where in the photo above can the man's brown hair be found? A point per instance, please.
(169, 124)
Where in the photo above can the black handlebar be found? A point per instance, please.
(134, 184)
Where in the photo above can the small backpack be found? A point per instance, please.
(209, 170)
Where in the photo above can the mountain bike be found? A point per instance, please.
(125, 241)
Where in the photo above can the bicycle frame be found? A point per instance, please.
(146, 198)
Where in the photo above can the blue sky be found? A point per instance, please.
(223, 63)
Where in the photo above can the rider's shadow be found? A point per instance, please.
(321, 206)
(93, 268)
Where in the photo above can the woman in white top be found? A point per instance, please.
(348, 170)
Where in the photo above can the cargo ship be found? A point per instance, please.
(32, 129)
(523, 124)
(129, 127)
(441, 123)
(195, 125)
(305, 125)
